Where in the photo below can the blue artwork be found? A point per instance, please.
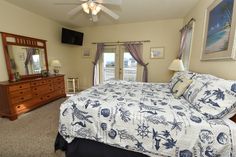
(219, 26)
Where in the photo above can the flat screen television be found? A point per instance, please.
(71, 37)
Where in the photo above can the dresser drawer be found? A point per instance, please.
(59, 92)
(49, 81)
(39, 83)
(20, 93)
(46, 97)
(21, 99)
(25, 106)
(43, 89)
(19, 87)
(59, 86)
(58, 80)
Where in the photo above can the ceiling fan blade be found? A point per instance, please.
(75, 10)
(94, 18)
(109, 12)
(115, 2)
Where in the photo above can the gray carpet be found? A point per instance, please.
(32, 134)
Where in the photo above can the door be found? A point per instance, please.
(117, 63)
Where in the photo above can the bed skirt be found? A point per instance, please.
(88, 148)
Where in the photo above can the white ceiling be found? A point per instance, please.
(130, 11)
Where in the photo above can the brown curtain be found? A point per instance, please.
(30, 52)
(100, 49)
(135, 51)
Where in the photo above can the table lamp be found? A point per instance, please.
(176, 65)
(56, 66)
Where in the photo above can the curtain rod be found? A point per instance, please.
(122, 42)
(191, 20)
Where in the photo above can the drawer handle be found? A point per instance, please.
(20, 87)
(21, 92)
(22, 98)
(36, 94)
(35, 88)
(41, 98)
(48, 96)
(18, 106)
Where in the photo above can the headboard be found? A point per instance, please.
(233, 118)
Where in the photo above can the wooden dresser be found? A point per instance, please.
(20, 97)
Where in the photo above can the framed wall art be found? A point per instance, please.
(86, 53)
(157, 52)
(219, 31)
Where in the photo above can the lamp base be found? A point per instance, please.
(56, 71)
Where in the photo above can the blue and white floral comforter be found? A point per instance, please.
(145, 118)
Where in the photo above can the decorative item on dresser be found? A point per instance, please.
(56, 64)
(20, 97)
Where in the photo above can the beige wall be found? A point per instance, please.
(19, 21)
(161, 33)
(220, 68)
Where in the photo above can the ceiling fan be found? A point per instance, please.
(93, 7)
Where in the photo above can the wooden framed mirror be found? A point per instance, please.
(25, 56)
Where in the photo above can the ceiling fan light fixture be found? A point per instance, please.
(96, 10)
(92, 5)
(85, 7)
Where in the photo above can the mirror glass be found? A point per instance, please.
(26, 60)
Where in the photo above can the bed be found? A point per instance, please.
(120, 118)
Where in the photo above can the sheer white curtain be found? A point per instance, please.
(187, 48)
(185, 45)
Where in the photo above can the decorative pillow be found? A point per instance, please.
(178, 75)
(212, 96)
(199, 82)
(180, 86)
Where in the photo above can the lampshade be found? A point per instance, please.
(56, 63)
(176, 65)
